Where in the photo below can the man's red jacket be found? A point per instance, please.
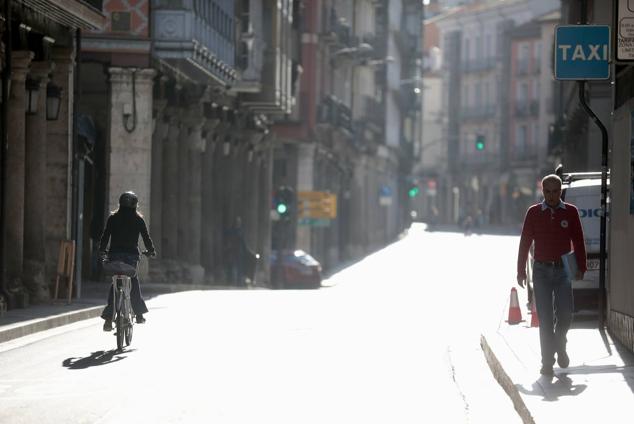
(555, 232)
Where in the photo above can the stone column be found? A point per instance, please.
(35, 191)
(207, 206)
(130, 162)
(183, 192)
(194, 227)
(305, 175)
(161, 127)
(170, 187)
(59, 160)
(14, 207)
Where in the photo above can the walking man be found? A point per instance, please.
(553, 226)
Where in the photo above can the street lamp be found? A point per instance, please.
(32, 92)
(53, 101)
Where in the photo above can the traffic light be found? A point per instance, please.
(283, 202)
(480, 142)
(413, 191)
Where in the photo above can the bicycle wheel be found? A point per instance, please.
(121, 325)
(128, 333)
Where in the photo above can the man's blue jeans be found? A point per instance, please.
(554, 302)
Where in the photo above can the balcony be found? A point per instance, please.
(522, 67)
(195, 39)
(484, 64)
(271, 67)
(478, 113)
(526, 108)
(332, 111)
(337, 31)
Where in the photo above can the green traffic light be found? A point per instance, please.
(281, 208)
(479, 144)
(413, 191)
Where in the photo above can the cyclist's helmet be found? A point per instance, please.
(128, 200)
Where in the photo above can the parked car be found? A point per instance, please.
(584, 191)
(295, 269)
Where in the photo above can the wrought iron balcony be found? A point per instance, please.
(195, 39)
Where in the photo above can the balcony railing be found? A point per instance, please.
(196, 39)
(374, 110)
(478, 112)
(479, 65)
(526, 108)
(522, 67)
(334, 112)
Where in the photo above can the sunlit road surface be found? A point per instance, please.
(391, 339)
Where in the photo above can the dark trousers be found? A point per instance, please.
(138, 304)
(554, 303)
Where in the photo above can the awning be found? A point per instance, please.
(70, 13)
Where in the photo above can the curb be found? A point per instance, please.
(505, 381)
(17, 330)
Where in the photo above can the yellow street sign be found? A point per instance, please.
(316, 204)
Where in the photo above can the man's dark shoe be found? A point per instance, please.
(562, 359)
(547, 371)
(140, 319)
(107, 325)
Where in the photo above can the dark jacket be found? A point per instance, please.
(122, 230)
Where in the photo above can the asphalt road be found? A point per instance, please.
(391, 339)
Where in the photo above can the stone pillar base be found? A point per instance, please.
(34, 277)
(18, 298)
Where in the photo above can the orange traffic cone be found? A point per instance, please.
(534, 317)
(515, 314)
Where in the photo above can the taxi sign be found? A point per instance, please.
(582, 52)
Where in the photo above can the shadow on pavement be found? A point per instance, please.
(97, 358)
(551, 389)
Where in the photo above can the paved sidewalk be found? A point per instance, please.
(597, 386)
(23, 322)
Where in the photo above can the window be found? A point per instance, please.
(489, 53)
(520, 140)
(477, 94)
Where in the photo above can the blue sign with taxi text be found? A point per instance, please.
(582, 52)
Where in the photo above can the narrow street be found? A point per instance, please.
(393, 338)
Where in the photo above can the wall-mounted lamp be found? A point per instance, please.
(32, 95)
(53, 101)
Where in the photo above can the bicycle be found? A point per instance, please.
(122, 313)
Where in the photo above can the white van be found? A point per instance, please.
(583, 190)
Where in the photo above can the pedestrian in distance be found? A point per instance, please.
(553, 226)
(123, 228)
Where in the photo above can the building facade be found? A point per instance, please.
(39, 130)
(475, 44)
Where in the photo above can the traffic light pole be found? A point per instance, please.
(604, 182)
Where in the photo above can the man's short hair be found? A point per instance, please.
(552, 177)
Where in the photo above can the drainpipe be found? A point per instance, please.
(77, 221)
(6, 77)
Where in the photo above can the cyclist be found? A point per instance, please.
(122, 231)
